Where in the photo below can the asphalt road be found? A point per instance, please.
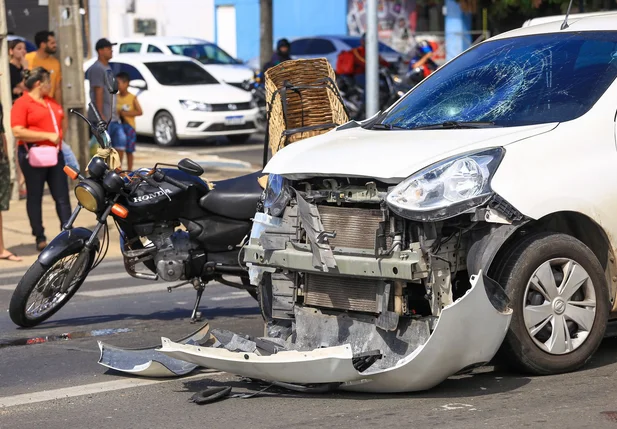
(59, 384)
(251, 151)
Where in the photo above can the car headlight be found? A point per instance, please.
(277, 195)
(397, 78)
(447, 188)
(90, 195)
(196, 105)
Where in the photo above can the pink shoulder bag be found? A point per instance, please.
(44, 155)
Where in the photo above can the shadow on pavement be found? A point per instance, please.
(168, 315)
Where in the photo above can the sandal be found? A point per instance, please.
(11, 257)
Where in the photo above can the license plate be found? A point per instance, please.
(234, 120)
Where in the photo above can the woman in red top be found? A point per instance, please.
(37, 119)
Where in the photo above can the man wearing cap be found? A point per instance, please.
(102, 99)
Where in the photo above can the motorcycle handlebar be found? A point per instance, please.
(159, 176)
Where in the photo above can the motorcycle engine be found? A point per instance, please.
(173, 249)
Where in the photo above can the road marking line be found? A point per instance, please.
(128, 290)
(232, 295)
(89, 389)
(21, 272)
(89, 279)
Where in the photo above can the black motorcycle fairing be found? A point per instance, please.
(216, 233)
(66, 243)
(234, 198)
(164, 202)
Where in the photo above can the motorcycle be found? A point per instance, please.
(258, 91)
(391, 89)
(148, 206)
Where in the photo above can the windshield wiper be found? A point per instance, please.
(387, 127)
(456, 124)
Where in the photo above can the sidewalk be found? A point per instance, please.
(17, 231)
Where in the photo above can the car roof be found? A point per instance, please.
(606, 22)
(560, 18)
(151, 58)
(164, 40)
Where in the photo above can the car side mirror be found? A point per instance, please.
(138, 84)
(190, 167)
(110, 82)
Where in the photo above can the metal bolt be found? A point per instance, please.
(170, 272)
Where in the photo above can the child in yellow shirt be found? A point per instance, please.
(128, 108)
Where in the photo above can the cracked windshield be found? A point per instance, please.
(513, 82)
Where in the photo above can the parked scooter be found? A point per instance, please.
(257, 89)
(147, 206)
(391, 89)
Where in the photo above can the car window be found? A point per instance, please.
(320, 47)
(207, 53)
(178, 73)
(130, 47)
(152, 48)
(299, 47)
(133, 73)
(515, 81)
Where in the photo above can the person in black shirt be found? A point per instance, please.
(17, 52)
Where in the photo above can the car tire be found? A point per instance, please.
(531, 261)
(165, 129)
(239, 138)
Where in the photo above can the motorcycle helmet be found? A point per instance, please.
(424, 47)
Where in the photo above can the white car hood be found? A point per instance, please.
(389, 156)
(212, 94)
(230, 73)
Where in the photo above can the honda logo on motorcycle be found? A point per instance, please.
(232, 107)
(151, 196)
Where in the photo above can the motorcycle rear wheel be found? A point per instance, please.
(37, 296)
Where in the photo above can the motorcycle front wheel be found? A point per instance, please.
(38, 295)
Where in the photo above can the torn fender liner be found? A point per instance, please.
(148, 362)
(468, 332)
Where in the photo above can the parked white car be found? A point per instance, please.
(216, 61)
(476, 214)
(181, 100)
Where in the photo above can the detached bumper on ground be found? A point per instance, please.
(467, 334)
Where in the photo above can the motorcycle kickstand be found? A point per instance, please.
(196, 315)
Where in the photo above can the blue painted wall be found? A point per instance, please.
(291, 18)
(457, 23)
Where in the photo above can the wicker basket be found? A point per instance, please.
(303, 101)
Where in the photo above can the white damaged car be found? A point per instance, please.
(475, 216)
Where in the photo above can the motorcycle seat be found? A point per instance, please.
(235, 198)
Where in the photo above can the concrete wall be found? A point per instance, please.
(190, 18)
(291, 19)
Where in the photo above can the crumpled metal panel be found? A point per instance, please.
(148, 362)
(468, 332)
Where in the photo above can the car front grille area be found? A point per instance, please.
(230, 107)
(222, 127)
(342, 293)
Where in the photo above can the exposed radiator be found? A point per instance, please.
(355, 228)
(342, 293)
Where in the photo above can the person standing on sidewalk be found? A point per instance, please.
(128, 109)
(36, 120)
(43, 57)
(17, 65)
(5, 191)
(103, 100)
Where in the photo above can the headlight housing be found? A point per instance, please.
(196, 105)
(277, 195)
(447, 188)
(90, 195)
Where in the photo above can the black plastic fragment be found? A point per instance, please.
(363, 361)
(211, 394)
